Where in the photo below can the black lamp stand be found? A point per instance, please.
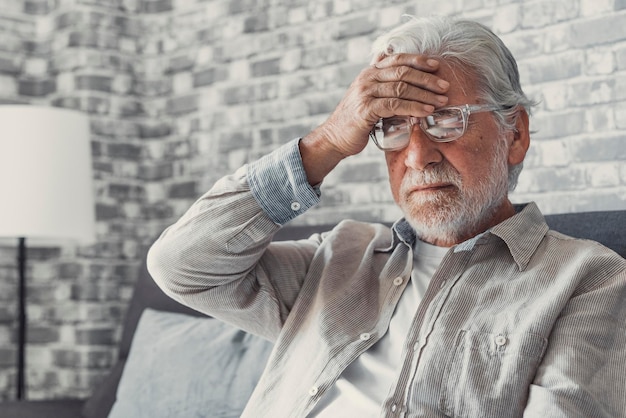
(21, 300)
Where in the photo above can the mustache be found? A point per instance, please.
(438, 174)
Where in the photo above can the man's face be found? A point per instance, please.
(452, 191)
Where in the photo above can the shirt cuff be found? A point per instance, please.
(278, 183)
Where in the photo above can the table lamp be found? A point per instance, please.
(46, 187)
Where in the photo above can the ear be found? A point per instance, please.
(521, 138)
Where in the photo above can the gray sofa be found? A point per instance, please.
(607, 227)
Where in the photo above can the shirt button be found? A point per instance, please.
(500, 340)
(295, 206)
(398, 281)
(365, 336)
(313, 391)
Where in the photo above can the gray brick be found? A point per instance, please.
(157, 210)
(551, 179)
(229, 141)
(99, 359)
(67, 19)
(95, 336)
(93, 82)
(70, 270)
(543, 13)
(250, 93)
(182, 105)
(7, 357)
(9, 65)
(129, 107)
(597, 200)
(42, 335)
(124, 151)
(601, 148)
(287, 133)
(258, 22)
(39, 47)
(93, 39)
(38, 7)
(106, 212)
(179, 63)
(42, 253)
(597, 31)
(156, 171)
(265, 67)
(554, 67)
(356, 26)
(620, 57)
(36, 88)
(323, 105)
(362, 172)
(156, 6)
(126, 191)
(592, 92)
(319, 56)
(183, 190)
(66, 358)
(152, 88)
(551, 125)
(209, 76)
(95, 292)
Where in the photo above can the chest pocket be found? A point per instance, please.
(489, 374)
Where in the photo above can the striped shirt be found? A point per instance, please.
(519, 321)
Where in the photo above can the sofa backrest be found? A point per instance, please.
(606, 227)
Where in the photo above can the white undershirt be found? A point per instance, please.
(365, 384)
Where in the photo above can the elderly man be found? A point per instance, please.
(468, 306)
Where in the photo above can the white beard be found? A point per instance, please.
(452, 214)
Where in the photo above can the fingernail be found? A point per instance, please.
(442, 99)
(432, 63)
(443, 84)
(429, 108)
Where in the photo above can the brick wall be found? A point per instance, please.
(182, 92)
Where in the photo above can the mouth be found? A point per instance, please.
(434, 187)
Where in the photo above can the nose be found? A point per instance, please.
(421, 151)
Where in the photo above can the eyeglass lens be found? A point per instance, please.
(442, 126)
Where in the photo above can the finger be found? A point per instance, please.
(411, 76)
(418, 61)
(406, 91)
(388, 107)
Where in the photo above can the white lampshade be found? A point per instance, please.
(46, 184)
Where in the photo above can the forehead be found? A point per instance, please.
(463, 83)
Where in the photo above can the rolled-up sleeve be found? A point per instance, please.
(279, 184)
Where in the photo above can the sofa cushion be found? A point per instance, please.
(184, 366)
(146, 294)
(57, 408)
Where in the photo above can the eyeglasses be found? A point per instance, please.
(444, 125)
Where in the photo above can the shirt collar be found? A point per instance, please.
(522, 234)
(401, 231)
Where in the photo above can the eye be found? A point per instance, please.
(393, 125)
(447, 119)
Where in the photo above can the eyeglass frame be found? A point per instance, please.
(466, 110)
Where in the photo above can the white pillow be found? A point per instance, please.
(183, 366)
